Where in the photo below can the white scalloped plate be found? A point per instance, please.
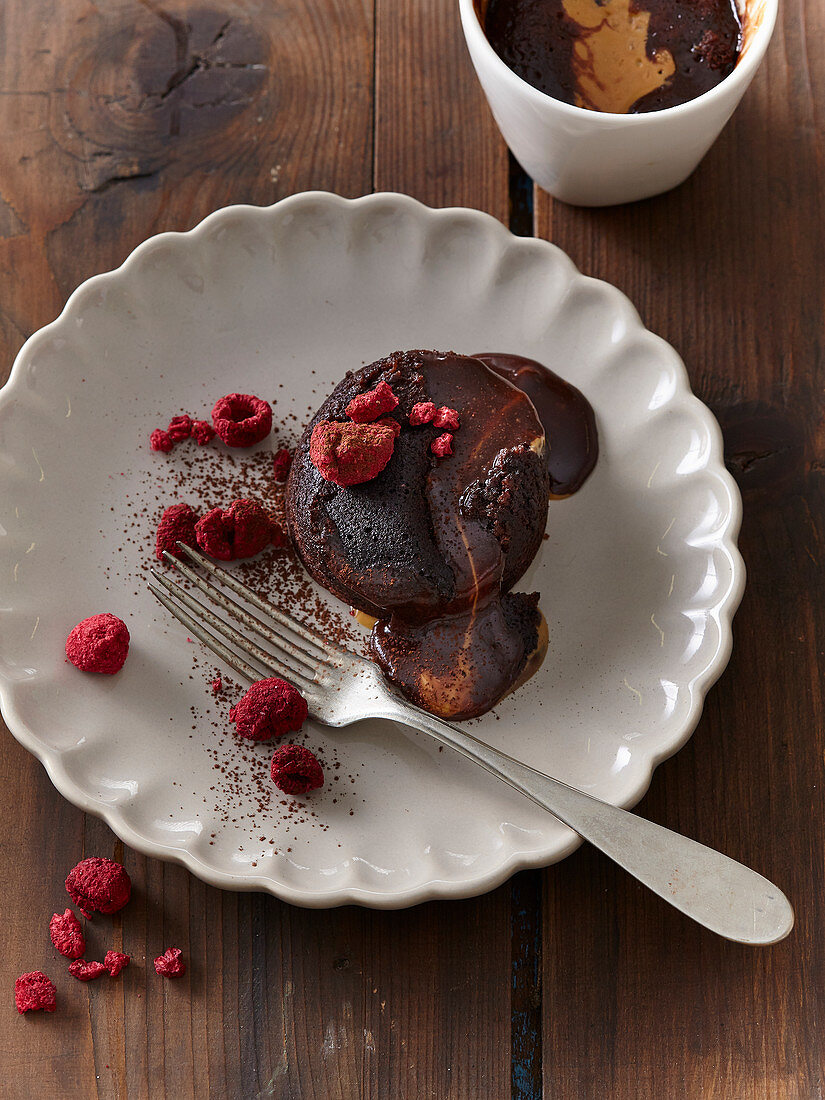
(640, 575)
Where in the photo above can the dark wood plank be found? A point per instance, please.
(145, 117)
(122, 119)
(639, 1002)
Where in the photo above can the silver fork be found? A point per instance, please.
(340, 688)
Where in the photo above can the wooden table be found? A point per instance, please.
(121, 118)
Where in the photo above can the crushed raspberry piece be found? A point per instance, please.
(180, 427)
(67, 935)
(217, 686)
(160, 440)
(240, 531)
(34, 991)
(170, 964)
(177, 524)
(202, 432)
(442, 445)
(98, 644)
(446, 418)
(390, 422)
(241, 419)
(270, 708)
(349, 454)
(422, 413)
(295, 770)
(369, 406)
(115, 961)
(86, 971)
(282, 464)
(98, 884)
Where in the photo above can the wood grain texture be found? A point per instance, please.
(143, 117)
(725, 268)
(121, 118)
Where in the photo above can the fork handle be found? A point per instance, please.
(719, 893)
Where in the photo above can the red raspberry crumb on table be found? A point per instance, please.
(98, 644)
(160, 440)
(115, 961)
(217, 686)
(67, 935)
(446, 418)
(390, 422)
(240, 531)
(34, 991)
(369, 406)
(282, 463)
(443, 445)
(170, 964)
(177, 524)
(295, 770)
(86, 971)
(422, 413)
(270, 708)
(98, 884)
(202, 432)
(180, 427)
(241, 419)
(350, 454)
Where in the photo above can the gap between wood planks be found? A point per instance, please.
(526, 890)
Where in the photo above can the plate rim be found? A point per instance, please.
(434, 888)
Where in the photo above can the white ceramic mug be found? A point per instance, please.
(591, 158)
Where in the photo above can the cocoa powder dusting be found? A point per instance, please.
(206, 477)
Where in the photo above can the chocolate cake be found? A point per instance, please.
(431, 546)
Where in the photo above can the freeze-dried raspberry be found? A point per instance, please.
(160, 440)
(349, 454)
(295, 770)
(67, 935)
(442, 445)
(98, 644)
(276, 534)
(180, 427)
(34, 991)
(282, 463)
(241, 419)
(446, 418)
(213, 535)
(369, 406)
(86, 971)
(422, 413)
(177, 524)
(240, 531)
(390, 422)
(115, 961)
(270, 708)
(217, 686)
(99, 884)
(202, 432)
(170, 964)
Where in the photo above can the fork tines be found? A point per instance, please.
(298, 657)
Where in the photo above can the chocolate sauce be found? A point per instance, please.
(462, 654)
(431, 547)
(565, 414)
(466, 657)
(611, 55)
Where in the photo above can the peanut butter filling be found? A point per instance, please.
(610, 63)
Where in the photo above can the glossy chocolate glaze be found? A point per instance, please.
(684, 48)
(565, 414)
(446, 538)
(462, 654)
